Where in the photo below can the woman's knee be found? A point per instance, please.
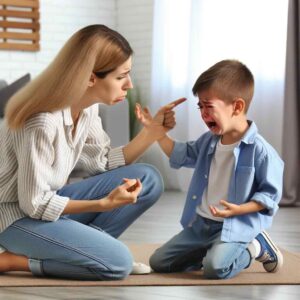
(119, 267)
(152, 181)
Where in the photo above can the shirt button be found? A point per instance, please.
(205, 176)
(194, 197)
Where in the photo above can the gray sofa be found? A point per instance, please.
(115, 119)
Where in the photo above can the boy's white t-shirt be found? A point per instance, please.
(218, 181)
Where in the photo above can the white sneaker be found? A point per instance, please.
(140, 268)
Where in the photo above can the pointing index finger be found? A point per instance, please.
(178, 101)
(172, 104)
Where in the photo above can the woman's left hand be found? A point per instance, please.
(162, 122)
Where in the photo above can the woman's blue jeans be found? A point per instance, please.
(200, 246)
(84, 246)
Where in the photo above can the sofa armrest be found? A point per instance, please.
(115, 121)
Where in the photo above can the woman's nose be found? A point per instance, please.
(128, 85)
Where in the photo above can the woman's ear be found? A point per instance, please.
(239, 106)
(92, 80)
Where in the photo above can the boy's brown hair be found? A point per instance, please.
(229, 80)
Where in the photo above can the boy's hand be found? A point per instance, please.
(162, 122)
(229, 211)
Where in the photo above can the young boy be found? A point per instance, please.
(236, 186)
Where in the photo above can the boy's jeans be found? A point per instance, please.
(84, 246)
(200, 245)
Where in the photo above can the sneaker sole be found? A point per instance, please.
(274, 266)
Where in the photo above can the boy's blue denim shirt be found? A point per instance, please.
(257, 176)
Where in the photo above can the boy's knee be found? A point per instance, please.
(157, 263)
(211, 270)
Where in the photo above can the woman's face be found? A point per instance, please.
(113, 88)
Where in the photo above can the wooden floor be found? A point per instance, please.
(157, 225)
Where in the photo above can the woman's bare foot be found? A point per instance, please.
(12, 262)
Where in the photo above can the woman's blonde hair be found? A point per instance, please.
(95, 48)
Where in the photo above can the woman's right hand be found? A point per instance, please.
(126, 193)
(162, 122)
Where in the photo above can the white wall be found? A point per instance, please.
(59, 20)
(135, 22)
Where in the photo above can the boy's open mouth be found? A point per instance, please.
(211, 125)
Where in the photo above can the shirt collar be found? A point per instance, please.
(67, 117)
(250, 134)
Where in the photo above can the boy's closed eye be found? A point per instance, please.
(206, 106)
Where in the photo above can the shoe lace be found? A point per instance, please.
(266, 257)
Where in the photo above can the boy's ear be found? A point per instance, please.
(239, 106)
(92, 80)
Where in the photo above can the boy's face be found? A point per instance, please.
(216, 113)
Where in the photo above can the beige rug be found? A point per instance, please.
(255, 275)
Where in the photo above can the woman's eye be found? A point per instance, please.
(122, 77)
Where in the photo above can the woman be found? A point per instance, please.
(51, 228)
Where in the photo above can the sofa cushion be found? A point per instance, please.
(3, 84)
(115, 121)
(7, 91)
